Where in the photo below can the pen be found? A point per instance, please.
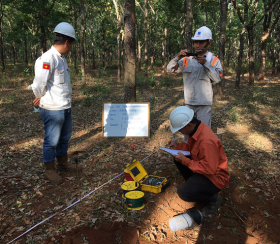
(172, 141)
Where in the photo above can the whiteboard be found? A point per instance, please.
(126, 119)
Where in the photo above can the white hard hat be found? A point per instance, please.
(65, 29)
(203, 33)
(180, 117)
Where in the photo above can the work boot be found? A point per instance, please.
(51, 174)
(213, 205)
(64, 165)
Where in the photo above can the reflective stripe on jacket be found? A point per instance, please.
(52, 81)
(197, 78)
(207, 156)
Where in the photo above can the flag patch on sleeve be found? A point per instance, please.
(46, 66)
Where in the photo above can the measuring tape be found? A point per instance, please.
(135, 200)
(129, 186)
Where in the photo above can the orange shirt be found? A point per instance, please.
(207, 156)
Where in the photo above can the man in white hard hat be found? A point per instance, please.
(199, 73)
(52, 89)
(206, 171)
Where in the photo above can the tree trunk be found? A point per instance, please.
(189, 25)
(118, 38)
(119, 50)
(223, 26)
(139, 55)
(43, 39)
(250, 30)
(103, 42)
(93, 56)
(31, 54)
(2, 45)
(265, 35)
(146, 37)
(42, 14)
(25, 50)
(263, 57)
(240, 56)
(17, 54)
(130, 53)
(222, 46)
(1, 38)
(92, 46)
(206, 13)
(122, 54)
(75, 44)
(278, 40)
(228, 53)
(82, 41)
(278, 63)
(85, 47)
(273, 71)
(164, 53)
(183, 27)
(14, 54)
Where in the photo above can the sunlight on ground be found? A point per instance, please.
(247, 137)
(257, 235)
(85, 144)
(23, 145)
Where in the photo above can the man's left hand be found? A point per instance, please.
(180, 157)
(201, 60)
(36, 101)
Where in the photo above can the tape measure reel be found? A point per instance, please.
(129, 186)
(135, 200)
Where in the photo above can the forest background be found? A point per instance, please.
(120, 55)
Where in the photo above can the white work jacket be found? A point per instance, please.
(52, 81)
(197, 78)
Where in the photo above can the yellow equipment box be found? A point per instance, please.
(147, 182)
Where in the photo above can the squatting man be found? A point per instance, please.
(206, 170)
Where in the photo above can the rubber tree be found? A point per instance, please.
(222, 45)
(75, 15)
(273, 69)
(240, 56)
(43, 11)
(268, 27)
(1, 37)
(82, 40)
(278, 40)
(118, 15)
(130, 52)
(249, 25)
(146, 26)
(189, 21)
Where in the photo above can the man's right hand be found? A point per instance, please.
(172, 145)
(36, 101)
(182, 53)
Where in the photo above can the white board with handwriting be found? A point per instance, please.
(126, 119)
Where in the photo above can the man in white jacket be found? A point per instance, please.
(199, 73)
(52, 89)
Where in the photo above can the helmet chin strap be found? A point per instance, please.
(200, 51)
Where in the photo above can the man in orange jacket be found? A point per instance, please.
(206, 171)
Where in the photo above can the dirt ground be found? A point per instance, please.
(243, 218)
(250, 124)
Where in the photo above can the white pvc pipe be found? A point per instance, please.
(180, 222)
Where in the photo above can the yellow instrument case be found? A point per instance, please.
(147, 182)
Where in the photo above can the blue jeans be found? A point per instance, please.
(58, 131)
